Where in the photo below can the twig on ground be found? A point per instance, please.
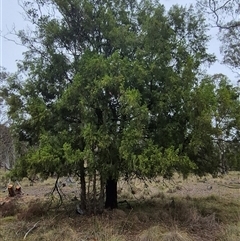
(33, 227)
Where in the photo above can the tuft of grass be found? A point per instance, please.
(35, 209)
(225, 209)
(8, 219)
(54, 234)
(231, 233)
(176, 235)
(151, 234)
(9, 208)
(157, 233)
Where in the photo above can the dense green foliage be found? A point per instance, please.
(116, 87)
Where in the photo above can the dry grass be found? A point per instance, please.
(139, 223)
(157, 233)
(231, 233)
(35, 208)
(148, 224)
(214, 215)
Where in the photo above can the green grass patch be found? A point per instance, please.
(226, 210)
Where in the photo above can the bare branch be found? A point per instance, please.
(216, 9)
(221, 7)
(12, 40)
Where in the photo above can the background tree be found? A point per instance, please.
(215, 125)
(113, 89)
(3, 76)
(226, 123)
(225, 16)
(7, 147)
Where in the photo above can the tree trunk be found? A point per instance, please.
(111, 193)
(101, 196)
(94, 192)
(83, 186)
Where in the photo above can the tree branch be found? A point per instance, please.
(224, 5)
(214, 9)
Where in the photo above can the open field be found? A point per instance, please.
(196, 209)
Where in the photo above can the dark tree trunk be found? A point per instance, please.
(95, 192)
(101, 196)
(83, 186)
(111, 193)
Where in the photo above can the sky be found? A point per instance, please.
(11, 18)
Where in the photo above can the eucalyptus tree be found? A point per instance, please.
(226, 122)
(7, 150)
(214, 125)
(224, 15)
(108, 90)
(3, 77)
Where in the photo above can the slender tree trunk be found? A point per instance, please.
(111, 193)
(88, 187)
(94, 192)
(101, 194)
(83, 186)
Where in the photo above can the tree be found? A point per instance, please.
(226, 123)
(225, 16)
(7, 148)
(109, 91)
(3, 76)
(214, 125)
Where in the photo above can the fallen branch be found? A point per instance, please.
(34, 226)
(233, 186)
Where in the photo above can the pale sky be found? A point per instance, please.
(10, 17)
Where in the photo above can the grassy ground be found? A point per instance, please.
(196, 209)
